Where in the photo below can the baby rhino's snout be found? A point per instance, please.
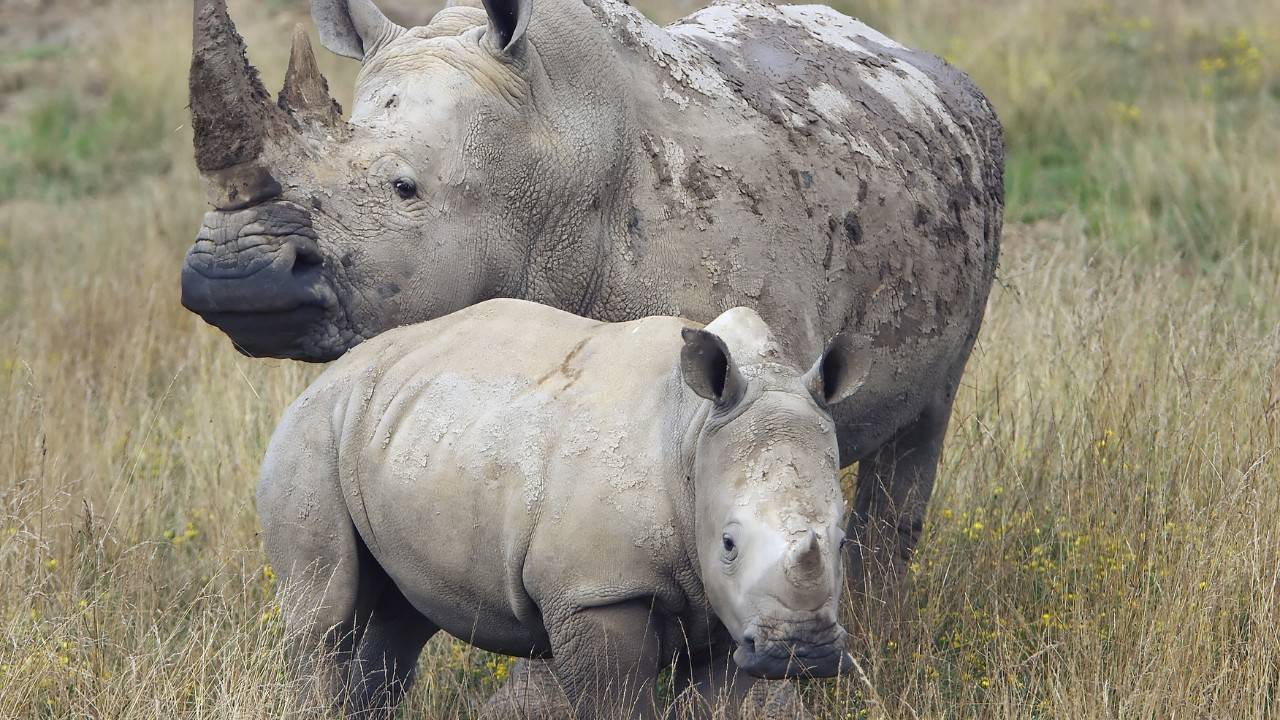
(795, 632)
(813, 648)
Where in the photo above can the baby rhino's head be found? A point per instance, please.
(769, 506)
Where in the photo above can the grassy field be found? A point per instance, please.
(1104, 539)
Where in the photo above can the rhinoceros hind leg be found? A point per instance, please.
(892, 494)
(386, 654)
(352, 638)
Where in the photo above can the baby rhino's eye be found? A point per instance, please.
(730, 547)
(406, 188)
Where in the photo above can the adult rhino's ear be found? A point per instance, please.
(708, 369)
(507, 22)
(353, 28)
(840, 371)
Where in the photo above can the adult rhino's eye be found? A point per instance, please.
(405, 188)
(730, 547)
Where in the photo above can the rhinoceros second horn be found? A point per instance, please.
(305, 95)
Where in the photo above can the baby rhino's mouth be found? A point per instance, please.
(770, 652)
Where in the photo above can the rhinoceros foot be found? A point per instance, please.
(530, 693)
(774, 700)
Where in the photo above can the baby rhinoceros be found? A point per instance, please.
(616, 497)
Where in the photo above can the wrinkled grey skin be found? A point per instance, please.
(534, 482)
(788, 159)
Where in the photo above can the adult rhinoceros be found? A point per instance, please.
(785, 158)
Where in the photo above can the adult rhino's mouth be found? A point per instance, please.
(271, 334)
(257, 274)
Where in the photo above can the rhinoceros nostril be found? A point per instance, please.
(306, 255)
(749, 642)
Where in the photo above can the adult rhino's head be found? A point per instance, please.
(471, 141)
(769, 506)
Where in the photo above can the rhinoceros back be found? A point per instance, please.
(858, 184)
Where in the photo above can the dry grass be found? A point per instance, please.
(1103, 539)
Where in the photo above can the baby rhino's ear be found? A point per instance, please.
(708, 369)
(840, 371)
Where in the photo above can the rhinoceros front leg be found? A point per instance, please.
(531, 692)
(607, 660)
(705, 686)
(708, 684)
(892, 494)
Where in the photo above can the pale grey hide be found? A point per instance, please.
(570, 152)
(533, 482)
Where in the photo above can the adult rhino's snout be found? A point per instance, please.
(255, 270)
(782, 651)
(257, 275)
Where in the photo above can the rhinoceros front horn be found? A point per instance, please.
(231, 112)
(805, 561)
(243, 140)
